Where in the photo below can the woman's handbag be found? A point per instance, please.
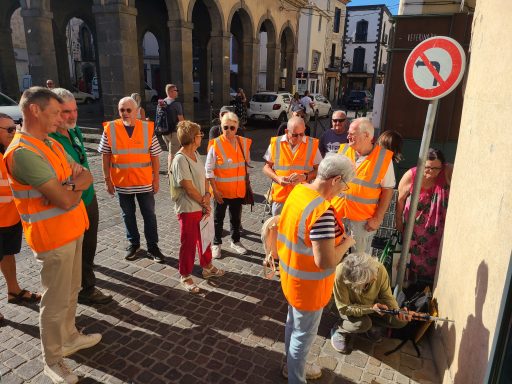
(249, 195)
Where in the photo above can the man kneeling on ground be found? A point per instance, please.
(361, 288)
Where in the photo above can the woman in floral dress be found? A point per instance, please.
(431, 214)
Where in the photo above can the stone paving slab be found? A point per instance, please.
(156, 332)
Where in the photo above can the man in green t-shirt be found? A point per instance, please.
(69, 135)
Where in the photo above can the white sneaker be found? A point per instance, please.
(216, 251)
(239, 248)
(81, 342)
(60, 373)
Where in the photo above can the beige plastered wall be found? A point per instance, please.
(478, 233)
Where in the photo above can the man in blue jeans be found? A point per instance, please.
(130, 152)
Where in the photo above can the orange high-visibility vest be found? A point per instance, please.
(364, 191)
(305, 286)
(131, 160)
(230, 166)
(45, 225)
(286, 162)
(8, 213)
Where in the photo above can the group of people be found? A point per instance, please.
(325, 190)
(46, 186)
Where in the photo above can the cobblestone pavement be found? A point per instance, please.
(155, 332)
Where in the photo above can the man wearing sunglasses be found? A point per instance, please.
(291, 159)
(130, 151)
(331, 139)
(68, 134)
(47, 188)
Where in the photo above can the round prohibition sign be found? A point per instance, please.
(434, 68)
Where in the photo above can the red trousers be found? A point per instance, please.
(190, 240)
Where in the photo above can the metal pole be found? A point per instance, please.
(420, 168)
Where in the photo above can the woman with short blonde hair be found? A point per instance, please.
(191, 203)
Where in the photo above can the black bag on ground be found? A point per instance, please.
(418, 299)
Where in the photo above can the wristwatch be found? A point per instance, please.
(70, 186)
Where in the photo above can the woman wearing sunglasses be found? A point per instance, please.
(10, 225)
(226, 162)
(432, 206)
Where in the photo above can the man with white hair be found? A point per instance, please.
(361, 289)
(130, 152)
(311, 241)
(291, 159)
(364, 204)
(69, 135)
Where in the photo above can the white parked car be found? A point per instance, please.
(82, 97)
(323, 106)
(151, 96)
(10, 108)
(269, 106)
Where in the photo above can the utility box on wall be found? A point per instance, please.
(404, 112)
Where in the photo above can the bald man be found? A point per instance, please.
(130, 152)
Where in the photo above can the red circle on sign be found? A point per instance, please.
(445, 86)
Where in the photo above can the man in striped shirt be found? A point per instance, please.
(126, 145)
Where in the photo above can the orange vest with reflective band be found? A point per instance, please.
(131, 160)
(46, 226)
(8, 213)
(230, 166)
(286, 162)
(364, 191)
(305, 286)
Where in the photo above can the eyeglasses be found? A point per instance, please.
(9, 129)
(200, 134)
(345, 185)
(175, 90)
(338, 120)
(433, 168)
(298, 134)
(229, 127)
(128, 110)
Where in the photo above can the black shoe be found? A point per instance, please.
(155, 254)
(131, 252)
(96, 297)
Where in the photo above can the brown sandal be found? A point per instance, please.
(20, 298)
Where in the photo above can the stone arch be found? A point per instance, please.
(288, 57)
(174, 10)
(244, 48)
(269, 53)
(214, 12)
(7, 57)
(154, 17)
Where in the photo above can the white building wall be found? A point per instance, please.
(372, 16)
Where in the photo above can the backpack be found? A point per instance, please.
(165, 118)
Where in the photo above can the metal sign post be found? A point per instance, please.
(420, 168)
(433, 69)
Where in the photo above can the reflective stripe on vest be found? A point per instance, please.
(27, 194)
(302, 248)
(227, 165)
(6, 199)
(43, 215)
(358, 199)
(4, 183)
(130, 165)
(130, 151)
(305, 167)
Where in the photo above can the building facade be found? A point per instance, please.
(193, 44)
(365, 48)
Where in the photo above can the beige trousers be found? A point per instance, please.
(173, 145)
(61, 280)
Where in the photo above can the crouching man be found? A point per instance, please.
(361, 288)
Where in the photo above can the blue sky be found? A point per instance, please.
(392, 4)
